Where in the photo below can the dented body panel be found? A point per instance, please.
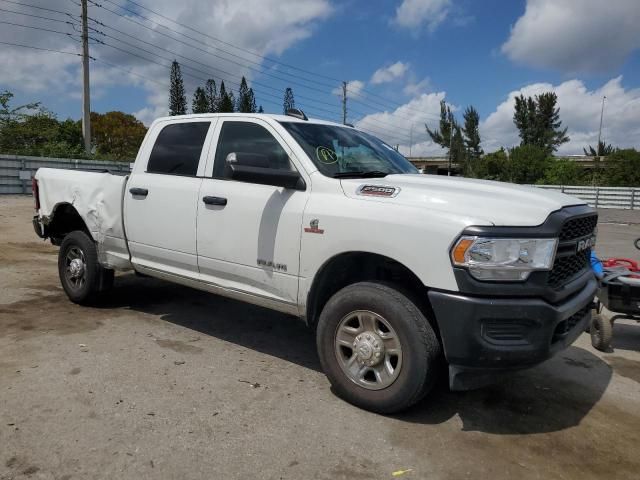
(97, 197)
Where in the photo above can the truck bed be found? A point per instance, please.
(98, 199)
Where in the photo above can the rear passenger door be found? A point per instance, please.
(250, 242)
(161, 200)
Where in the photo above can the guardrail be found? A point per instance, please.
(624, 198)
(16, 171)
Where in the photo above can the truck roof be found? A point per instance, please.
(277, 118)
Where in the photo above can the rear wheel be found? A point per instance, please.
(377, 348)
(81, 275)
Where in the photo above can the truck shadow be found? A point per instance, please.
(551, 397)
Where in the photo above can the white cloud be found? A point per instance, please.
(579, 111)
(267, 27)
(575, 35)
(413, 14)
(406, 124)
(354, 89)
(390, 73)
(415, 87)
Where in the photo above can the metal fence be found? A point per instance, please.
(16, 171)
(624, 198)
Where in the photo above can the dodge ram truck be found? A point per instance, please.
(401, 275)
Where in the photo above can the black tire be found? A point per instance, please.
(601, 332)
(421, 350)
(82, 289)
(637, 243)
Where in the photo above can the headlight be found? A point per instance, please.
(504, 259)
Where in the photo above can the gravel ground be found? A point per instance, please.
(160, 381)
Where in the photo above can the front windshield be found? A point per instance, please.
(345, 152)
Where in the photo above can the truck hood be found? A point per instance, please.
(497, 203)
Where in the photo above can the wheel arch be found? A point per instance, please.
(63, 220)
(351, 267)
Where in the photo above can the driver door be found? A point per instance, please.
(248, 240)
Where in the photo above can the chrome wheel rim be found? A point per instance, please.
(75, 268)
(368, 350)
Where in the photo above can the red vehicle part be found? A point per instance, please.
(621, 262)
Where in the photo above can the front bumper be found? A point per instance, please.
(482, 336)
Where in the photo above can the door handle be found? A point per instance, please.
(214, 201)
(143, 192)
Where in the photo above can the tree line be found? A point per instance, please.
(208, 99)
(541, 133)
(31, 129)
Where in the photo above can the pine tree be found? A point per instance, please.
(549, 126)
(211, 93)
(472, 133)
(524, 117)
(538, 122)
(177, 98)
(244, 103)
(199, 103)
(252, 101)
(442, 137)
(289, 101)
(260, 109)
(226, 103)
(604, 149)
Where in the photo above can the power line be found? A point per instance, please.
(378, 130)
(37, 28)
(40, 48)
(260, 70)
(236, 56)
(99, 60)
(36, 6)
(315, 74)
(308, 99)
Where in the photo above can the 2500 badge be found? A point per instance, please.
(281, 267)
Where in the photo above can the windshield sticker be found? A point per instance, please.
(326, 155)
(378, 191)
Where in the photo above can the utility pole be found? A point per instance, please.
(344, 103)
(450, 146)
(600, 130)
(86, 103)
(410, 139)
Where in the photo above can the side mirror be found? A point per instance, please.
(254, 168)
(247, 159)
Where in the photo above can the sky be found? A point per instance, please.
(399, 58)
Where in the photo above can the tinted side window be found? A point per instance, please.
(249, 139)
(177, 149)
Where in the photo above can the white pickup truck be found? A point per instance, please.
(399, 273)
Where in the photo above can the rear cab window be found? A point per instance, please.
(178, 148)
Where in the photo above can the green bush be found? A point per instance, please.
(527, 164)
(622, 168)
(492, 166)
(562, 171)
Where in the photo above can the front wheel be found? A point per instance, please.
(81, 275)
(377, 348)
